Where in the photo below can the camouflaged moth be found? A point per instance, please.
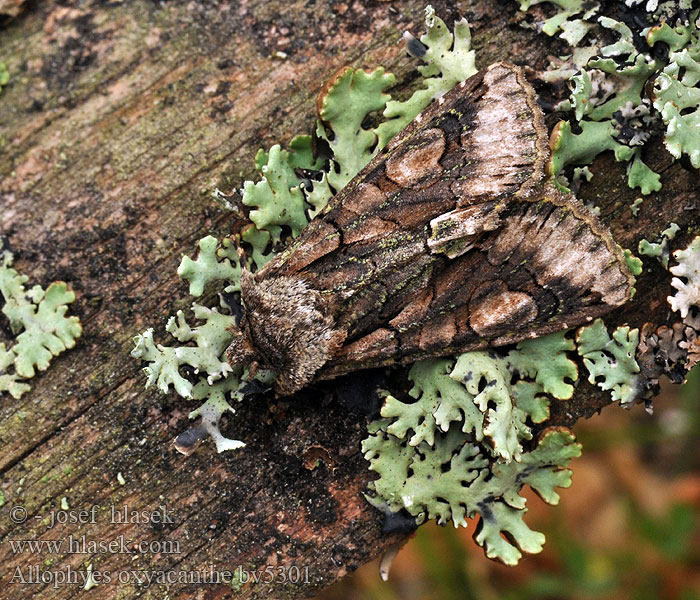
(448, 240)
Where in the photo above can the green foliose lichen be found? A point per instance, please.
(448, 59)
(37, 319)
(611, 361)
(454, 480)
(10, 381)
(571, 18)
(659, 250)
(634, 264)
(278, 199)
(343, 108)
(479, 390)
(609, 103)
(206, 355)
(677, 98)
(635, 206)
(686, 281)
(354, 95)
(215, 262)
(465, 427)
(216, 405)
(544, 360)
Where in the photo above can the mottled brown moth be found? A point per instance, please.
(448, 240)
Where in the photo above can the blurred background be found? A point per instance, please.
(628, 527)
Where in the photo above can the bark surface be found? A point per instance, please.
(118, 122)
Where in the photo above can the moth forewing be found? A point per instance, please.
(448, 240)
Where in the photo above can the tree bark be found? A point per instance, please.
(119, 121)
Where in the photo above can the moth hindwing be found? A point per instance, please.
(448, 240)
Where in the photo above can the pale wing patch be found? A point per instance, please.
(455, 232)
(495, 309)
(417, 162)
(368, 228)
(364, 198)
(561, 247)
(569, 250)
(504, 140)
(414, 311)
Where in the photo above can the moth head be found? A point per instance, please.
(285, 327)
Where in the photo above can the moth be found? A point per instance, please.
(449, 240)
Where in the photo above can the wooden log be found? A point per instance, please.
(119, 121)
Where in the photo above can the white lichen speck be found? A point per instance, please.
(688, 268)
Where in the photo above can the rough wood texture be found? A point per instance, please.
(119, 121)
